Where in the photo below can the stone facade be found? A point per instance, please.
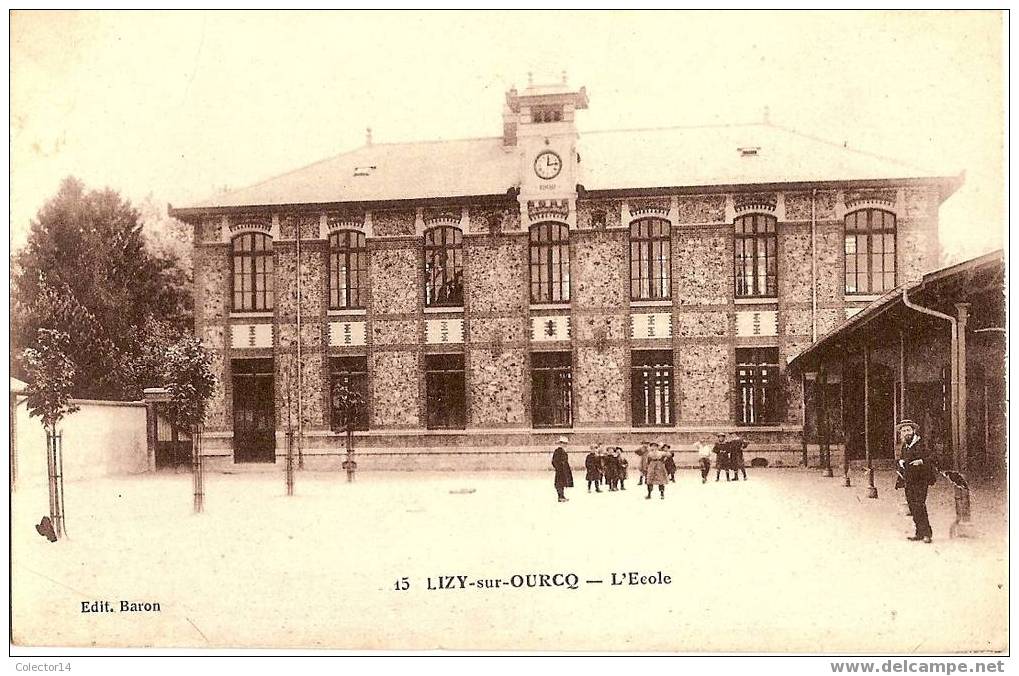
(704, 372)
(798, 205)
(394, 392)
(601, 385)
(701, 324)
(499, 386)
(497, 275)
(600, 265)
(394, 275)
(702, 267)
(701, 209)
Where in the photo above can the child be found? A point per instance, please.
(670, 462)
(656, 473)
(611, 463)
(704, 458)
(721, 450)
(593, 464)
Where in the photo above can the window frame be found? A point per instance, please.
(543, 377)
(759, 231)
(454, 281)
(254, 254)
(353, 369)
(656, 367)
(870, 234)
(444, 370)
(759, 374)
(645, 234)
(548, 247)
(352, 247)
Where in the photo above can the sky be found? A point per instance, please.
(175, 106)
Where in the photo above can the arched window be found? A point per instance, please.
(650, 259)
(754, 256)
(444, 275)
(550, 263)
(348, 270)
(252, 272)
(870, 251)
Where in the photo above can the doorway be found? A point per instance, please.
(254, 411)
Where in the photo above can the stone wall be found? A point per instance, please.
(499, 385)
(701, 324)
(600, 270)
(704, 372)
(395, 377)
(393, 223)
(212, 282)
(497, 274)
(917, 249)
(313, 289)
(395, 279)
(701, 208)
(600, 385)
(798, 205)
(701, 266)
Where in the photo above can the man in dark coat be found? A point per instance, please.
(561, 465)
(918, 474)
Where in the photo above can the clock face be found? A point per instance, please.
(547, 165)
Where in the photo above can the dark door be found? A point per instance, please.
(254, 414)
(173, 446)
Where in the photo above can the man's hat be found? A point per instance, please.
(906, 422)
(563, 440)
(654, 443)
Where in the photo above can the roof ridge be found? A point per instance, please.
(858, 151)
(727, 125)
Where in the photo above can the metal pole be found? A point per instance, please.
(197, 468)
(822, 425)
(300, 410)
(61, 528)
(962, 454)
(871, 488)
(290, 462)
(803, 414)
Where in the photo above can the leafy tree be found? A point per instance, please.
(189, 381)
(50, 375)
(88, 272)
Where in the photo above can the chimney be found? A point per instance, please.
(510, 118)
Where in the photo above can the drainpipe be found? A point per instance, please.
(813, 265)
(954, 366)
(300, 412)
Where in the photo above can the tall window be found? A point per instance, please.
(552, 389)
(348, 270)
(870, 251)
(252, 272)
(444, 275)
(550, 263)
(757, 376)
(650, 260)
(444, 383)
(651, 388)
(348, 392)
(756, 264)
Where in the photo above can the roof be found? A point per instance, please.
(610, 160)
(954, 279)
(18, 386)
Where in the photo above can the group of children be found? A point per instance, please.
(606, 466)
(658, 464)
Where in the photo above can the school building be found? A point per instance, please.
(480, 297)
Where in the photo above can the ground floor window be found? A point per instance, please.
(254, 410)
(651, 388)
(349, 392)
(552, 389)
(757, 379)
(445, 391)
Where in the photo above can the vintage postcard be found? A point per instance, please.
(674, 332)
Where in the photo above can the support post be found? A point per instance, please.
(962, 450)
(842, 412)
(289, 468)
(197, 468)
(803, 415)
(871, 488)
(822, 422)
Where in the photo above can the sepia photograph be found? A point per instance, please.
(335, 332)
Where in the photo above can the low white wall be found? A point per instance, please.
(100, 439)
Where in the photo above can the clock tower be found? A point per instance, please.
(538, 124)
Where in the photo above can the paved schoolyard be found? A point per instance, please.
(789, 561)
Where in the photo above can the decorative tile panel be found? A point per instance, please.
(544, 329)
(251, 335)
(757, 323)
(342, 334)
(440, 331)
(651, 325)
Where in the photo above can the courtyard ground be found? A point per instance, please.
(789, 561)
